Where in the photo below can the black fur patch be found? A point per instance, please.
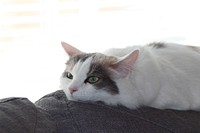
(157, 45)
(97, 69)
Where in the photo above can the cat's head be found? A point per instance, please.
(93, 76)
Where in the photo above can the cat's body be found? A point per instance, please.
(165, 76)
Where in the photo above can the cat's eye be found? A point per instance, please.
(92, 79)
(68, 75)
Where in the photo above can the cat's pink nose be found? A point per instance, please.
(72, 90)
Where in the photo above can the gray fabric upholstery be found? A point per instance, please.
(19, 115)
(79, 117)
(55, 114)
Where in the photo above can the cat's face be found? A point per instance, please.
(92, 77)
(88, 77)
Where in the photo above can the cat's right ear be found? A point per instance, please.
(70, 50)
(125, 64)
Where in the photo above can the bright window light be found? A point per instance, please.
(32, 59)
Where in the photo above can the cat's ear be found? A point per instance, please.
(70, 50)
(125, 64)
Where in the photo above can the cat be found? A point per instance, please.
(159, 75)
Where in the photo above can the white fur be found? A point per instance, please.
(165, 78)
(162, 78)
(79, 72)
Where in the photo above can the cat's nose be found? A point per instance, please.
(72, 90)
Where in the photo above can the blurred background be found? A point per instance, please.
(32, 59)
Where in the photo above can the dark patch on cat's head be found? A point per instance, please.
(100, 70)
(75, 59)
(157, 45)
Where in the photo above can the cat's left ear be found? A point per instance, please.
(125, 64)
(70, 50)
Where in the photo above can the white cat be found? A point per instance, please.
(160, 75)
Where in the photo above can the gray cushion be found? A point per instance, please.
(55, 114)
(19, 115)
(80, 117)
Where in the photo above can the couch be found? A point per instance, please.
(53, 113)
